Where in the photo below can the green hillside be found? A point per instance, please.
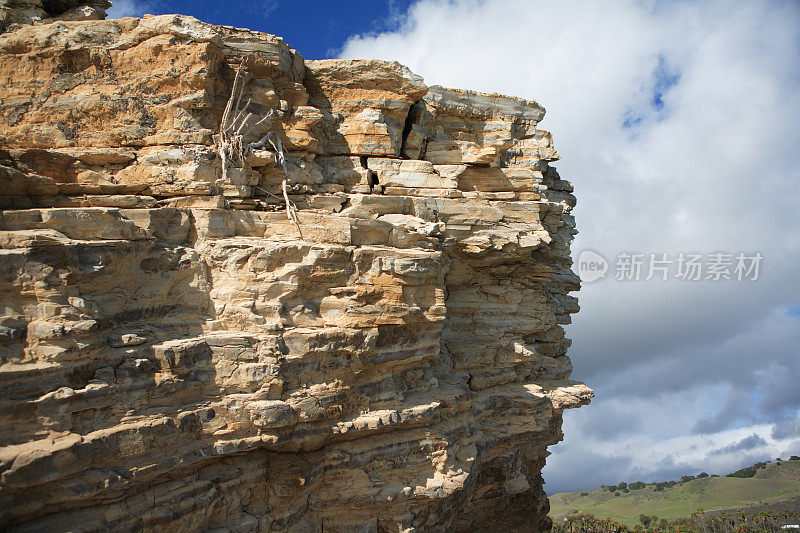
(772, 486)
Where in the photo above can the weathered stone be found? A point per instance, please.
(112, 83)
(14, 13)
(180, 354)
(470, 127)
(364, 104)
(408, 173)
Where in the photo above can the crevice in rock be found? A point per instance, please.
(414, 116)
(374, 184)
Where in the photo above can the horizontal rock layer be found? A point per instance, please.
(179, 355)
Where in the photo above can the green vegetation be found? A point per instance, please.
(749, 471)
(763, 487)
(698, 522)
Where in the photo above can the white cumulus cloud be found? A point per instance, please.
(129, 8)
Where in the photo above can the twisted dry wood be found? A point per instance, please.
(231, 147)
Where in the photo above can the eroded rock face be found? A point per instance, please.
(177, 359)
(14, 13)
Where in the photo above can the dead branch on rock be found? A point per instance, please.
(232, 149)
(277, 146)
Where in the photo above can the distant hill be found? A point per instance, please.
(773, 486)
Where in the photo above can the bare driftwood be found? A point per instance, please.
(236, 123)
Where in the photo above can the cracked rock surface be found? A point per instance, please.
(179, 358)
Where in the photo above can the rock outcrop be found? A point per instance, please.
(178, 355)
(14, 13)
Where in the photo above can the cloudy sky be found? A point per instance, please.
(677, 124)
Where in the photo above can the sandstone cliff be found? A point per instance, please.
(178, 355)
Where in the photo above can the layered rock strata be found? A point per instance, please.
(176, 354)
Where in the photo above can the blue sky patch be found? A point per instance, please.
(316, 28)
(663, 78)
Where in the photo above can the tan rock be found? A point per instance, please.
(408, 173)
(364, 104)
(470, 127)
(14, 13)
(183, 354)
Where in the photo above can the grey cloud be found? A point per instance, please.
(786, 429)
(746, 444)
(760, 392)
(736, 409)
(792, 449)
(589, 471)
(610, 420)
(665, 470)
